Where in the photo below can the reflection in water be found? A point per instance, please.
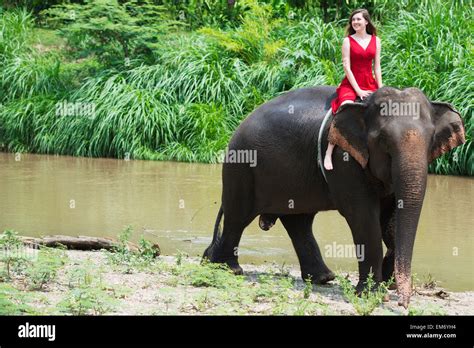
(175, 205)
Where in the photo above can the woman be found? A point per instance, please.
(359, 49)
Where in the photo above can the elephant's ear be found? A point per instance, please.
(349, 131)
(449, 129)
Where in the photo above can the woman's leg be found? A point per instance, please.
(328, 156)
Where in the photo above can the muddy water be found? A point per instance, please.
(175, 205)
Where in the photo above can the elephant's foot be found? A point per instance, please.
(362, 286)
(320, 277)
(266, 221)
(235, 267)
(211, 255)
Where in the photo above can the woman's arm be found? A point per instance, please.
(346, 63)
(378, 70)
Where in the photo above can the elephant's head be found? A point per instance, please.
(397, 133)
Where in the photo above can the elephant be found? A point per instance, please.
(377, 184)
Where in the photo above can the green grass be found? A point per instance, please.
(369, 299)
(14, 302)
(202, 83)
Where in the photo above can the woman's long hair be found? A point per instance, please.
(370, 28)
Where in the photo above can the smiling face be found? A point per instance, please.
(359, 23)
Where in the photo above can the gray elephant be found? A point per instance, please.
(391, 137)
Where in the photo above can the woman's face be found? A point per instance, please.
(359, 22)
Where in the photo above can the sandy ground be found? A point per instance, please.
(160, 291)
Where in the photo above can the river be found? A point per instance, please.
(175, 205)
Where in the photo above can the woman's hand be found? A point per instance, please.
(363, 94)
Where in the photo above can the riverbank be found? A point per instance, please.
(103, 283)
(182, 96)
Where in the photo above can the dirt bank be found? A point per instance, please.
(102, 283)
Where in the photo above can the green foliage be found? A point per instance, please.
(429, 309)
(12, 253)
(369, 299)
(308, 287)
(252, 41)
(129, 259)
(112, 30)
(87, 294)
(146, 249)
(209, 275)
(45, 268)
(180, 256)
(14, 302)
(15, 27)
(38, 269)
(184, 92)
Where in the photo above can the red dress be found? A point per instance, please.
(361, 67)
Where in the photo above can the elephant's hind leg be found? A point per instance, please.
(299, 228)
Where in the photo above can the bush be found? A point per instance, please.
(114, 31)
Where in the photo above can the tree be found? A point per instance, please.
(111, 30)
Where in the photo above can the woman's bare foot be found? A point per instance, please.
(327, 162)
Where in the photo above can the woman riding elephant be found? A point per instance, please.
(360, 48)
(379, 189)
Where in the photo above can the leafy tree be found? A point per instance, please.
(113, 31)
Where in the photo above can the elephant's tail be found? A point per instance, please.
(216, 234)
(208, 253)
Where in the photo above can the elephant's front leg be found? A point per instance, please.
(387, 224)
(364, 223)
(299, 228)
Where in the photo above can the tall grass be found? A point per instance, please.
(186, 106)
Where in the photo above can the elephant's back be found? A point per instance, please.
(296, 113)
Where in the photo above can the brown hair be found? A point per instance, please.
(370, 28)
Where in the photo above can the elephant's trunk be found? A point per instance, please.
(409, 173)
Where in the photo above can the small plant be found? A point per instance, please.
(86, 300)
(147, 250)
(87, 295)
(308, 287)
(210, 275)
(11, 252)
(369, 299)
(123, 255)
(284, 271)
(179, 257)
(45, 268)
(429, 282)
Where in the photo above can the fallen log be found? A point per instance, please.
(80, 243)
